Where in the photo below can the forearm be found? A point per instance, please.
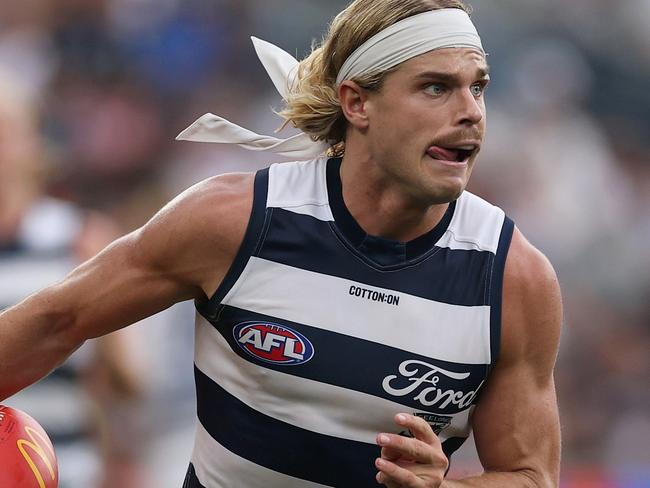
(33, 341)
(516, 479)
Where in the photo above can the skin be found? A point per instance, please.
(393, 189)
(108, 378)
(516, 423)
(182, 253)
(390, 131)
(403, 195)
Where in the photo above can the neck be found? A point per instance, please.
(381, 207)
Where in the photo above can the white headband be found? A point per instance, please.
(406, 39)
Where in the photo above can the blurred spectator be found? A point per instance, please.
(41, 238)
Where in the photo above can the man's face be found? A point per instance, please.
(426, 124)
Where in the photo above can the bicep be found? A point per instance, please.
(178, 255)
(516, 423)
(119, 286)
(108, 292)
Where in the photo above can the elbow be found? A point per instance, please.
(539, 478)
(67, 338)
(38, 335)
(61, 320)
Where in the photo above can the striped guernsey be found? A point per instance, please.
(321, 333)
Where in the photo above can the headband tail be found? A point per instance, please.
(279, 64)
(215, 129)
(281, 68)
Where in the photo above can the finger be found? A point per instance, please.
(398, 447)
(395, 476)
(383, 479)
(419, 428)
(390, 454)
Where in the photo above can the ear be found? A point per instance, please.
(353, 103)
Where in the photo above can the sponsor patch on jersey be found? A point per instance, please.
(273, 343)
(433, 386)
(438, 423)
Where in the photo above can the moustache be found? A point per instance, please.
(453, 139)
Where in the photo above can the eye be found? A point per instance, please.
(435, 89)
(478, 89)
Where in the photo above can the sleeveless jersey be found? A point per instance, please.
(321, 333)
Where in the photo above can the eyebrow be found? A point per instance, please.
(483, 72)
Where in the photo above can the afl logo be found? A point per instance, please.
(273, 343)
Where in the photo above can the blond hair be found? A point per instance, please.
(312, 104)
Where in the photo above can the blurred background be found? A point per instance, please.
(93, 92)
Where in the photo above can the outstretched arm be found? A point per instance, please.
(182, 253)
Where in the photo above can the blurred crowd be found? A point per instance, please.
(93, 92)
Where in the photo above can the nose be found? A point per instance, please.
(470, 110)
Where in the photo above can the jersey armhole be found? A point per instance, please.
(247, 248)
(496, 287)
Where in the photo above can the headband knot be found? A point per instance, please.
(406, 39)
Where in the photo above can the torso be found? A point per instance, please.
(319, 334)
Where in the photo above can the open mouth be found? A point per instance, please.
(455, 154)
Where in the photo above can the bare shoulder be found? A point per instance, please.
(532, 306)
(213, 198)
(196, 235)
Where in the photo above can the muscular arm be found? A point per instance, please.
(516, 424)
(182, 253)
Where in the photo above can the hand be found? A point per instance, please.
(406, 462)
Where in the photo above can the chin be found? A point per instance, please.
(446, 197)
(440, 194)
(445, 185)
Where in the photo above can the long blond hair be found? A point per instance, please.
(312, 104)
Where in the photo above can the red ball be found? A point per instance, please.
(27, 458)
